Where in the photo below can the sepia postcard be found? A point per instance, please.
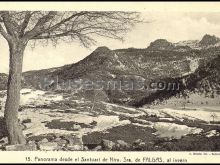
(110, 82)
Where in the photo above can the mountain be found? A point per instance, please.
(208, 40)
(116, 67)
(205, 80)
(124, 75)
(122, 69)
(161, 44)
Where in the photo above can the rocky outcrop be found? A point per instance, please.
(107, 145)
(208, 40)
(47, 143)
(75, 143)
(161, 44)
(48, 146)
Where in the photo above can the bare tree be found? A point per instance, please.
(18, 28)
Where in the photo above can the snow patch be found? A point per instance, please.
(38, 97)
(123, 110)
(119, 106)
(121, 65)
(172, 130)
(167, 118)
(194, 64)
(143, 125)
(25, 91)
(212, 133)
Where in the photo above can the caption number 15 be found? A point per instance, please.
(28, 159)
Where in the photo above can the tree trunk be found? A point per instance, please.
(15, 135)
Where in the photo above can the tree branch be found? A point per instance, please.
(25, 22)
(81, 26)
(66, 20)
(4, 34)
(39, 27)
(65, 34)
(8, 23)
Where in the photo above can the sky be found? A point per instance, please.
(173, 26)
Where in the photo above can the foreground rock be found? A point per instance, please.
(4, 141)
(107, 145)
(61, 142)
(138, 144)
(122, 145)
(48, 146)
(45, 140)
(97, 148)
(75, 143)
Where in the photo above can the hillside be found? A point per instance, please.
(128, 71)
(161, 98)
(203, 83)
(120, 66)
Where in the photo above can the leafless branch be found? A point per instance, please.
(39, 27)
(10, 25)
(25, 22)
(4, 34)
(74, 25)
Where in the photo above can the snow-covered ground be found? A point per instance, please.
(195, 100)
(80, 120)
(34, 97)
(40, 117)
(192, 114)
(38, 97)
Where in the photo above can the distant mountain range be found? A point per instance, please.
(162, 60)
(206, 42)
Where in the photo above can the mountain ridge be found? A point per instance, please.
(206, 42)
(162, 60)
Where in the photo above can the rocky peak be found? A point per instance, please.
(101, 49)
(102, 52)
(209, 40)
(100, 57)
(106, 57)
(161, 44)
